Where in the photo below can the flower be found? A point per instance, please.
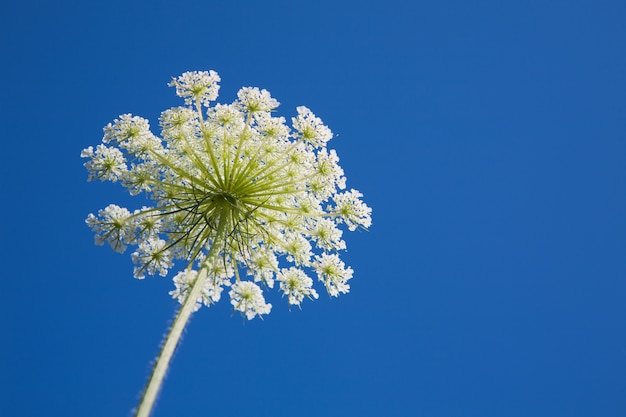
(296, 285)
(352, 210)
(197, 87)
(240, 197)
(254, 101)
(152, 255)
(333, 273)
(311, 128)
(112, 226)
(106, 164)
(247, 297)
(211, 291)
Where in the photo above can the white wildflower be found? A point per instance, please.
(152, 256)
(296, 285)
(262, 265)
(106, 164)
(178, 123)
(247, 297)
(275, 128)
(132, 134)
(298, 249)
(211, 290)
(333, 273)
(197, 87)
(112, 226)
(147, 223)
(253, 100)
(311, 128)
(328, 236)
(238, 195)
(328, 175)
(226, 115)
(142, 178)
(352, 210)
(127, 127)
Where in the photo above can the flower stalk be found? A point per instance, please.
(167, 350)
(159, 370)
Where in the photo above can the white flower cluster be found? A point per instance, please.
(234, 190)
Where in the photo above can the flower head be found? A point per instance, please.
(197, 87)
(311, 128)
(333, 273)
(296, 285)
(106, 164)
(254, 101)
(112, 226)
(247, 297)
(211, 290)
(237, 194)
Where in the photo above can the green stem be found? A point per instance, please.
(173, 337)
(169, 346)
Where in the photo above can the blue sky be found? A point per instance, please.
(489, 138)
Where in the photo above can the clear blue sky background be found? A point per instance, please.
(489, 137)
